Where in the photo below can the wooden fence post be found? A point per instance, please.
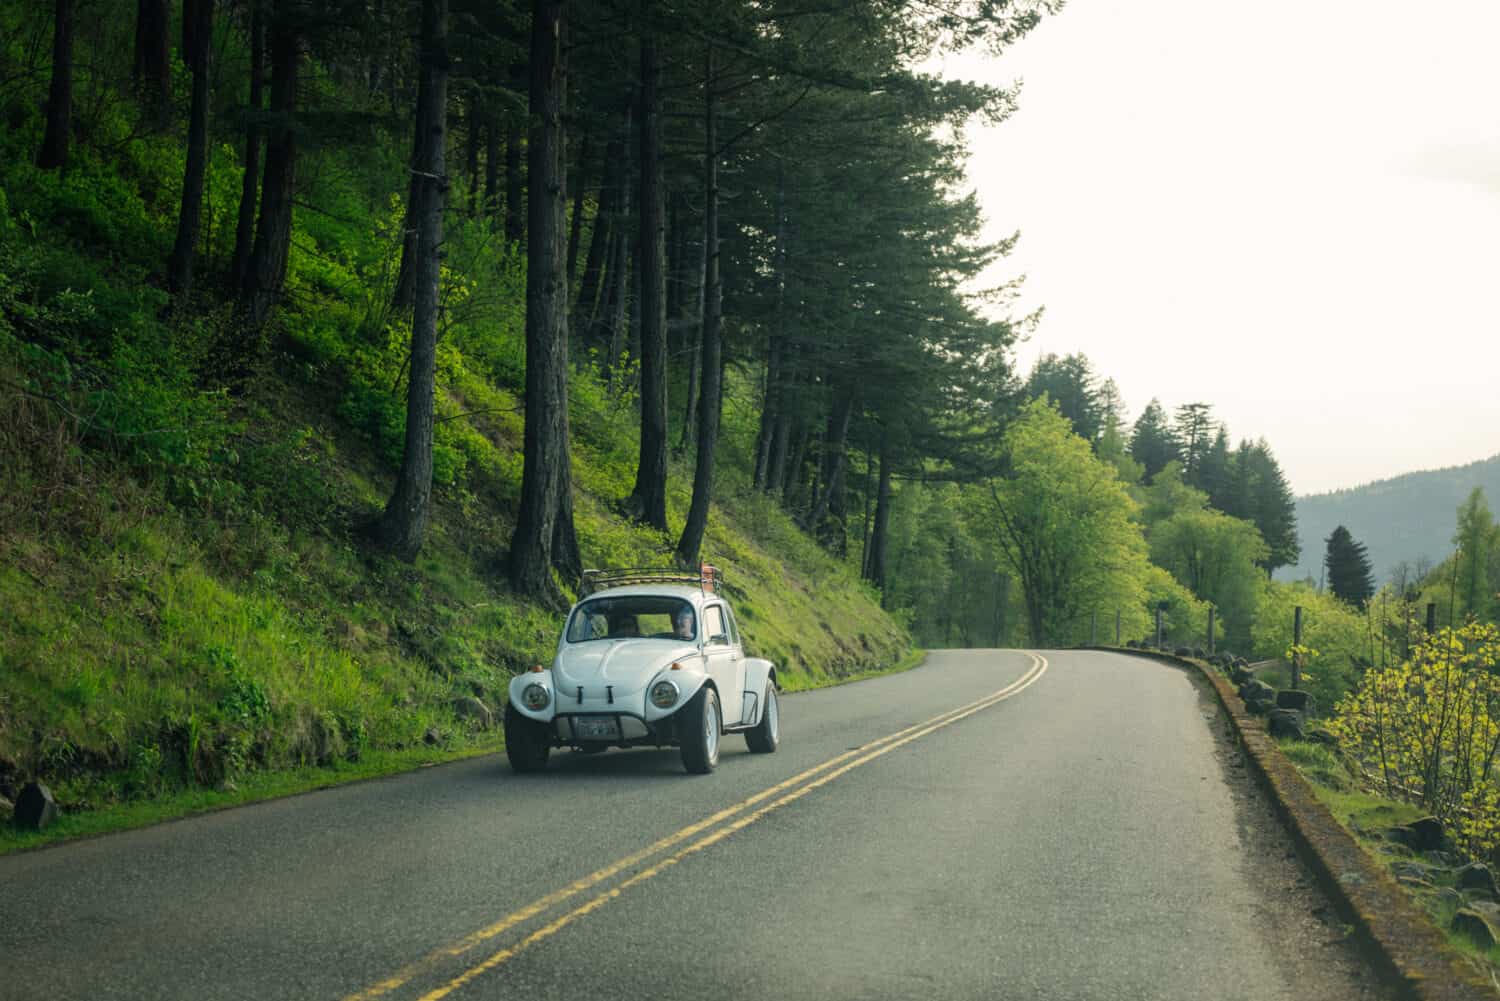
(1297, 641)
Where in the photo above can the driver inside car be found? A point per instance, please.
(684, 622)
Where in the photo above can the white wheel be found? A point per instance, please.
(700, 725)
(765, 736)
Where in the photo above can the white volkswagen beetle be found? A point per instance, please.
(647, 658)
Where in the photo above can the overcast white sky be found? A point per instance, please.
(1290, 210)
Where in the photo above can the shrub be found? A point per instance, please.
(1430, 727)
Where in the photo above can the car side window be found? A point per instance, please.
(713, 620)
(734, 629)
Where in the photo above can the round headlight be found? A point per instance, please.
(536, 697)
(663, 695)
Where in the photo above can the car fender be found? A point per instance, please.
(518, 685)
(689, 677)
(758, 674)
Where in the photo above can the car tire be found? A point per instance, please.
(700, 727)
(527, 742)
(765, 736)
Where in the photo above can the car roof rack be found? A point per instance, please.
(709, 579)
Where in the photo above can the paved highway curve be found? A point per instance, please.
(994, 824)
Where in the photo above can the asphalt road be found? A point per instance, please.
(993, 824)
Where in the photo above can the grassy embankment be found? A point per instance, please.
(1365, 815)
(188, 617)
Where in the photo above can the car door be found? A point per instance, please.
(726, 665)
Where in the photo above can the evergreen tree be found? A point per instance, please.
(1477, 538)
(1348, 568)
(57, 138)
(1272, 507)
(1152, 441)
(1070, 383)
(197, 36)
(404, 523)
(1193, 427)
(1214, 473)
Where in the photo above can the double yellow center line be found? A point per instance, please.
(745, 813)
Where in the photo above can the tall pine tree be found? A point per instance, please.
(1348, 568)
(1152, 442)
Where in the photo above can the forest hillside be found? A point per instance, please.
(1404, 519)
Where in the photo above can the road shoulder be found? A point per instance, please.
(1397, 936)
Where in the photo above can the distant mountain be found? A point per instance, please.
(1403, 518)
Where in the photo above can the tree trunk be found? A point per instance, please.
(197, 34)
(612, 321)
(491, 168)
(879, 538)
(586, 306)
(244, 230)
(540, 541)
(831, 469)
(694, 337)
(474, 132)
(152, 71)
(404, 523)
(649, 498)
(403, 297)
(55, 141)
(1002, 607)
(515, 193)
(776, 462)
(792, 485)
(689, 546)
(575, 224)
(273, 234)
(773, 406)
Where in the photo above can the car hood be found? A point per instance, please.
(628, 665)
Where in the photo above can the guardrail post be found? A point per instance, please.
(1297, 641)
(1093, 629)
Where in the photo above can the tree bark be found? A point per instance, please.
(690, 544)
(575, 224)
(152, 70)
(586, 306)
(791, 487)
(831, 469)
(612, 321)
(403, 297)
(404, 523)
(540, 539)
(244, 230)
(694, 337)
(776, 462)
(57, 138)
(491, 167)
(197, 34)
(648, 500)
(273, 234)
(473, 134)
(773, 405)
(515, 192)
(879, 538)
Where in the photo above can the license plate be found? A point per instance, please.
(595, 728)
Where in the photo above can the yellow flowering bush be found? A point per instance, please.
(1430, 729)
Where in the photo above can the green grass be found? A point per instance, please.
(188, 614)
(252, 788)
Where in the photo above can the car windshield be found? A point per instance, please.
(633, 616)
